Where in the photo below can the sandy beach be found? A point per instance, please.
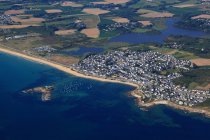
(61, 67)
(133, 93)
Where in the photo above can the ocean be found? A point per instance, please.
(82, 109)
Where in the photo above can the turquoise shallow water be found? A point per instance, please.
(83, 109)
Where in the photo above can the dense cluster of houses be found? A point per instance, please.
(175, 45)
(114, 26)
(205, 2)
(203, 22)
(45, 49)
(145, 69)
(5, 20)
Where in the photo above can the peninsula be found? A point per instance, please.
(82, 66)
(86, 39)
(140, 70)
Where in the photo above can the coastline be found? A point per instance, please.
(143, 105)
(77, 74)
(61, 67)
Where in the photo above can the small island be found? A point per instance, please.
(45, 91)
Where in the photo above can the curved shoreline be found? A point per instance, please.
(198, 110)
(72, 72)
(62, 67)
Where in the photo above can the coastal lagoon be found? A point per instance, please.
(83, 109)
(158, 37)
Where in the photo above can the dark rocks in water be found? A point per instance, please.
(45, 91)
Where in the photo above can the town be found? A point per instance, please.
(123, 26)
(152, 71)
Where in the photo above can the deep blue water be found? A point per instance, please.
(158, 38)
(83, 109)
(84, 50)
